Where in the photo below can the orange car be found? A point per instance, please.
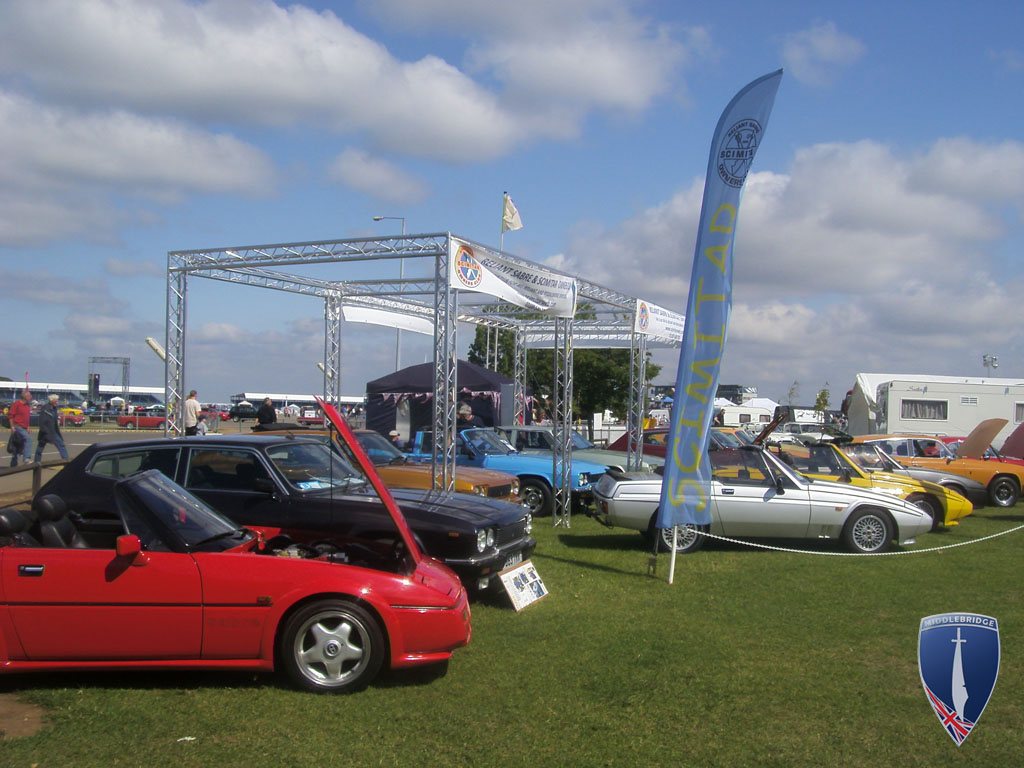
(398, 471)
(1003, 479)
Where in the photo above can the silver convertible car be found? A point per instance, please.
(753, 494)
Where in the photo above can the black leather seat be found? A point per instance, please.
(13, 527)
(55, 528)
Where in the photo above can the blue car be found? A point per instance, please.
(486, 449)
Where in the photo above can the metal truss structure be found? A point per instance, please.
(608, 322)
(126, 368)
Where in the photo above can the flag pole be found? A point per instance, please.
(501, 237)
(672, 558)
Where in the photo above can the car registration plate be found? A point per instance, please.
(513, 559)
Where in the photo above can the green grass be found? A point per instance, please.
(752, 658)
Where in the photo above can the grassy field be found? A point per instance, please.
(753, 658)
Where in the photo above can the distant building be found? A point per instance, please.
(283, 399)
(79, 393)
(736, 393)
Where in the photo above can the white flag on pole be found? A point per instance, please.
(510, 216)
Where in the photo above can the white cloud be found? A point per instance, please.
(857, 257)
(62, 166)
(256, 62)
(376, 177)
(132, 267)
(816, 56)
(1008, 58)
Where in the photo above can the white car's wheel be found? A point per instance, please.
(687, 538)
(868, 530)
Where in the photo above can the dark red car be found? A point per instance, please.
(175, 585)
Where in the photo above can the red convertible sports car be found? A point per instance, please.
(180, 586)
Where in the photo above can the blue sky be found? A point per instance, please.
(880, 229)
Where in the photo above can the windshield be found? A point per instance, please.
(580, 442)
(162, 514)
(313, 466)
(378, 449)
(486, 441)
(727, 439)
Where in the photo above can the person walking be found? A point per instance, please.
(266, 413)
(191, 413)
(19, 414)
(49, 429)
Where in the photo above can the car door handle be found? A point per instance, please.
(728, 491)
(31, 570)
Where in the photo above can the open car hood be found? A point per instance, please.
(980, 439)
(370, 471)
(1014, 445)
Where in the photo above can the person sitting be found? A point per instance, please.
(466, 418)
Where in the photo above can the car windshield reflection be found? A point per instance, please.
(310, 467)
(487, 442)
(165, 516)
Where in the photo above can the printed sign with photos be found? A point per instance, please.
(523, 584)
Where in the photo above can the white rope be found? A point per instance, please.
(858, 554)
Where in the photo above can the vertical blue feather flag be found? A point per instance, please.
(685, 492)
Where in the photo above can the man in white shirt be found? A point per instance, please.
(191, 413)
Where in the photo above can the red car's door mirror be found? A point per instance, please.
(130, 547)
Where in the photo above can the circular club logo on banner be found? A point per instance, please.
(643, 316)
(468, 268)
(737, 150)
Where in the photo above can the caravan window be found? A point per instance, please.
(1018, 413)
(932, 410)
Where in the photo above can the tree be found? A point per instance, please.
(601, 377)
(794, 393)
(821, 401)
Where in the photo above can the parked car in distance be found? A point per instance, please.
(148, 418)
(654, 443)
(311, 417)
(754, 495)
(172, 584)
(240, 411)
(826, 461)
(66, 420)
(540, 439)
(300, 483)
(215, 413)
(486, 449)
(1002, 478)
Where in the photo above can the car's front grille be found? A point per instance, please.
(512, 532)
(499, 491)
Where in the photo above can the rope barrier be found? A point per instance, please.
(858, 554)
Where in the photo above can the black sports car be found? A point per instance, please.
(296, 483)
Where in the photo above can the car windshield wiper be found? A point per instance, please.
(219, 536)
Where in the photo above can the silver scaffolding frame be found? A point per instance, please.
(430, 298)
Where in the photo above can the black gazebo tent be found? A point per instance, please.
(476, 385)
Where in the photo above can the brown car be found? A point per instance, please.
(398, 471)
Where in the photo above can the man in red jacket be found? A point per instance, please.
(18, 414)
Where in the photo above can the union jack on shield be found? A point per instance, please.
(958, 658)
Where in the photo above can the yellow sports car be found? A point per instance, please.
(1002, 477)
(826, 461)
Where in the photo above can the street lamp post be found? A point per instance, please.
(991, 362)
(401, 277)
